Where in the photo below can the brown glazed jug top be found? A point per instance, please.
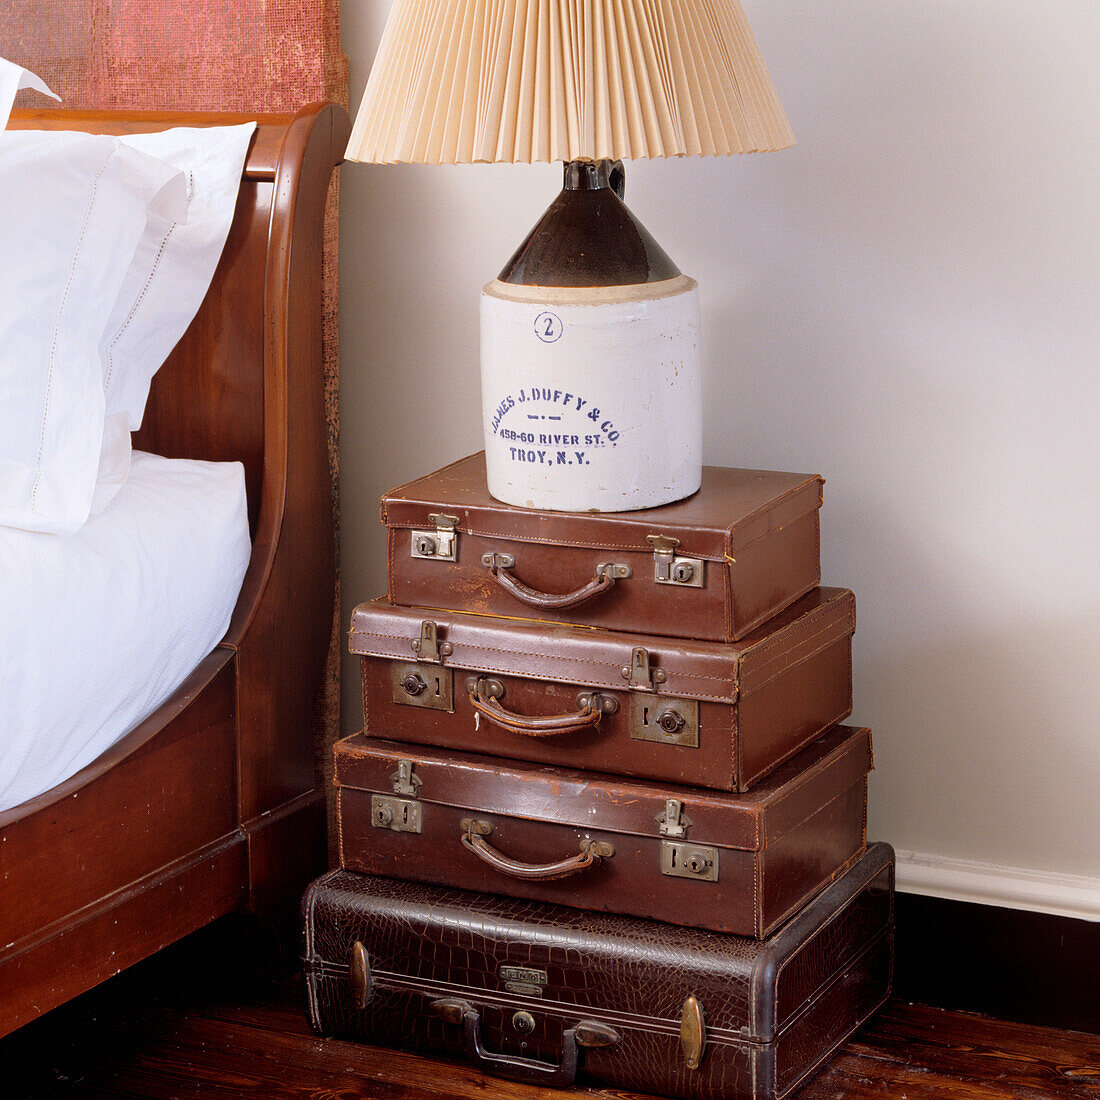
(588, 237)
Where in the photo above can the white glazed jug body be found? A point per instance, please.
(592, 396)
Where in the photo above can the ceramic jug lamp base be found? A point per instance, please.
(591, 368)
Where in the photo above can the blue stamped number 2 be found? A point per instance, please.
(548, 327)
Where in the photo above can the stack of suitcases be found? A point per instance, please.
(602, 821)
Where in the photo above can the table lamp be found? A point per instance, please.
(590, 350)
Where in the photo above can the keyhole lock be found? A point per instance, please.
(439, 543)
(682, 572)
(523, 1022)
(682, 859)
(414, 684)
(400, 815)
(696, 862)
(664, 720)
(670, 721)
(422, 684)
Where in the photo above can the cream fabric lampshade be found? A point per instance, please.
(462, 81)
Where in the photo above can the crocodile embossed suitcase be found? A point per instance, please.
(549, 995)
(740, 863)
(713, 566)
(708, 714)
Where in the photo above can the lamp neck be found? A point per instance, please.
(595, 175)
(588, 237)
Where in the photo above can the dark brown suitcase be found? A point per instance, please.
(709, 714)
(739, 863)
(542, 994)
(713, 566)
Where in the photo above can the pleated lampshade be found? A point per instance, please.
(464, 81)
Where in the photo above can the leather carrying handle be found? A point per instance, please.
(525, 1070)
(606, 575)
(591, 854)
(588, 717)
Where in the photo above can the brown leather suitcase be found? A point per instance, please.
(710, 714)
(713, 566)
(544, 994)
(740, 863)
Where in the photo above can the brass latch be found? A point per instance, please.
(638, 674)
(674, 822)
(441, 542)
(693, 1032)
(670, 569)
(428, 647)
(359, 974)
(403, 780)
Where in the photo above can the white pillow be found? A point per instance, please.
(12, 78)
(167, 281)
(74, 210)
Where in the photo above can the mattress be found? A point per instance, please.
(98, 628)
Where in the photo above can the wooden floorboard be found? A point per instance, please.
(197, 1022)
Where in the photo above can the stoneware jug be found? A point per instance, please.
(590, 360)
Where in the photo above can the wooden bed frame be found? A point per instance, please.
(210, 804)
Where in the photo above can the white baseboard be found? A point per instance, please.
(1008, 887)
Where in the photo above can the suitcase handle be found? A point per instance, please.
(547, 725)
(606, 574)
(591, 853)
(526, 1070)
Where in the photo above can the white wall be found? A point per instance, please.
(905, 302)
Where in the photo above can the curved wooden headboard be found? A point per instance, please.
(244, 383)
(211, 801)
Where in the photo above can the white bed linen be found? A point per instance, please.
(98, 628)
(12, 78)
(75, 208)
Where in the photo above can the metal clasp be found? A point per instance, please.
(638, 674)
(403, 780)
(441, 542)
(670, 569)
(693, 1032)
(674, 822)
(679, 857)
(428, 647)
(359, 974)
